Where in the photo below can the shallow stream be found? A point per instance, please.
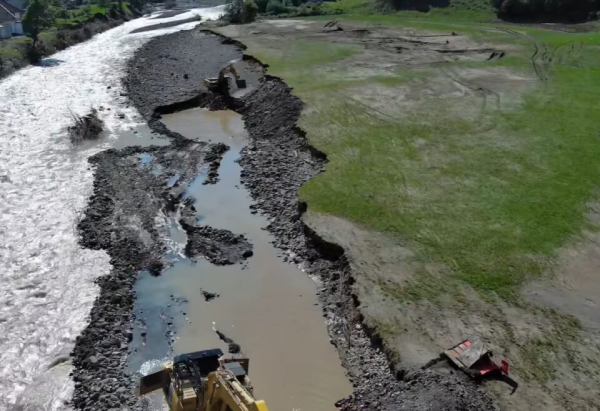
(265, 305)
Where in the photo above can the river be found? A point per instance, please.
(47, 287)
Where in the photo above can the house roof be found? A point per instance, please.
(12, 10)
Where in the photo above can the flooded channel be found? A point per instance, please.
(267, 306)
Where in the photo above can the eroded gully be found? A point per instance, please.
(265, 305)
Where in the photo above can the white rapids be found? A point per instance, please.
(47, 284)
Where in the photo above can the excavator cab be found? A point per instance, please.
(203, 381)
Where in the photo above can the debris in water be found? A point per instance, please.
(233, 347)
(208, 296)
(85, 128)
(475, 359)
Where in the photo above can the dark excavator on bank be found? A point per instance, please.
(204, 381)
(221, 84)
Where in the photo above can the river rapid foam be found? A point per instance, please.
(47, 284)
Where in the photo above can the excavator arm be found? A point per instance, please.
(225, 393)
(220, 83)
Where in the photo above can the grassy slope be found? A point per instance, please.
(490, 196)
(497, 211)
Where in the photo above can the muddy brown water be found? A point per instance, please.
(267, 306)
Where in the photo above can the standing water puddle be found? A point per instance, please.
(267, 306)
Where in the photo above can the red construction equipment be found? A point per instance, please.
(475, 359)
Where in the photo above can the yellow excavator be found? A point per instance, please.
(204, 381)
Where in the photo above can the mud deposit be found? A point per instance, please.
(220, 247)
(132, 188)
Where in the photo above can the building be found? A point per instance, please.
(20, 4)
(10, 20)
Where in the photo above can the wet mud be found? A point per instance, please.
(132, 188)
(220, 247)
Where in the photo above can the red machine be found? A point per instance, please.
(475, 359)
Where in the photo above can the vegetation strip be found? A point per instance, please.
(51, 28)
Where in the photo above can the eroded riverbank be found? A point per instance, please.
(266, 306)
(276, 161)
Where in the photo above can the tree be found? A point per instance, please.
(60, 10)
(63, 13)
(262, 5)
(241, 11)
(40, 16)
(137, 4)
(546, 10)
(276, 7)
(104, 4)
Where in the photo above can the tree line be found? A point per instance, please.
(530, 10)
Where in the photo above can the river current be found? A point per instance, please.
(47, 284)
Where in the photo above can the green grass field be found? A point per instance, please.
(485, 196)
(494, 205)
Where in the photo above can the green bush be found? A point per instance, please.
(62, 39)
(35, 52)
(276, 7)
(241, 11)
(309, 9)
